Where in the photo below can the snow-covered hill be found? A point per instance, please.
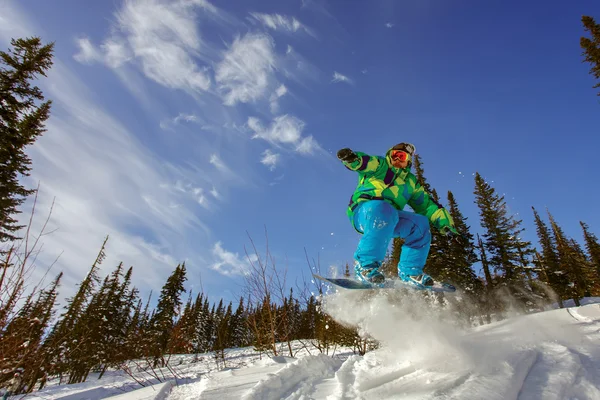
(549, 355)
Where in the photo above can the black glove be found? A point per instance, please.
(347, 155)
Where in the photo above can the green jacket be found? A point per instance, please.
(379, 180)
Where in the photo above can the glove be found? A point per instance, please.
(347, 155)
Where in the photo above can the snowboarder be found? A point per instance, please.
(385, 186)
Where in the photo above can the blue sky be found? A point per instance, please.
(180, 127)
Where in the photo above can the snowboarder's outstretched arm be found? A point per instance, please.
(359, 162)
(424, 204)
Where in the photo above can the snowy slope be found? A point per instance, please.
(549, 355)
(424, 355)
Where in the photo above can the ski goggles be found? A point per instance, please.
(399, 155)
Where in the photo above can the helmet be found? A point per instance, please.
(406, 147)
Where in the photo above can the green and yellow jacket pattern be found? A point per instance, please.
(379, 180)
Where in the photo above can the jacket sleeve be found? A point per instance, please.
(365, 164)
(424, 204)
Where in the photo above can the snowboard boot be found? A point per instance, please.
(369, 273)
(422, 281)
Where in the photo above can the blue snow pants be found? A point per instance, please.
(379, 222)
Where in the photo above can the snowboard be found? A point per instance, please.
(388, 284)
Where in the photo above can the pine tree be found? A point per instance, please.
(437, 262)
(570, 262)
(63, 338)
(461, 253)
(167, 310)
(590, 281)
(591, 46)
(485, 265)
(136, 331)
(506, 253)
(549, 262)
(205, 327)
(115, 315)
(420, 174)
(592, 247)
(23, 113)
(238, 327)
(222, 339)
(502, 241)
(100, 331)
(20, 343)
(184, 334)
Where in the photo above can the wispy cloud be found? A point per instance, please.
(182, 117)
(195, 192)
(246, 71)
(217, 162)
(295, 66)
(389, 25)
(105, 182)
(308, 145)
(285, 131)
(281, 22)
(227, 262)
(337, 77)
(317, 6)
(87, 52)
(275, 96)
(161, 36)
(270, 159)
(81, 161)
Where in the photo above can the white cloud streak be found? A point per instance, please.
(337, 77)
(275, 96)
(227, 262)
(270, 159)
(285, 130)
(217, 162)
(161, 37)
(87, 52)
(182, 117)
(280, 22)
(105, 182)
(246, 71)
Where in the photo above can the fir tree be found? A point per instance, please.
(238, 327)
(461, 253)
(63, 338)
(485, 265)
(20, 343)
(570, 262)
(437, 262)
(591, 46)
(592, 247)
(205, 326)
(420, 174)
(167, 309)
(184, 334)
(548, 260)
(23, 113)
(589, 280)
(136, 331)
(222, 339)
(502, 234)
